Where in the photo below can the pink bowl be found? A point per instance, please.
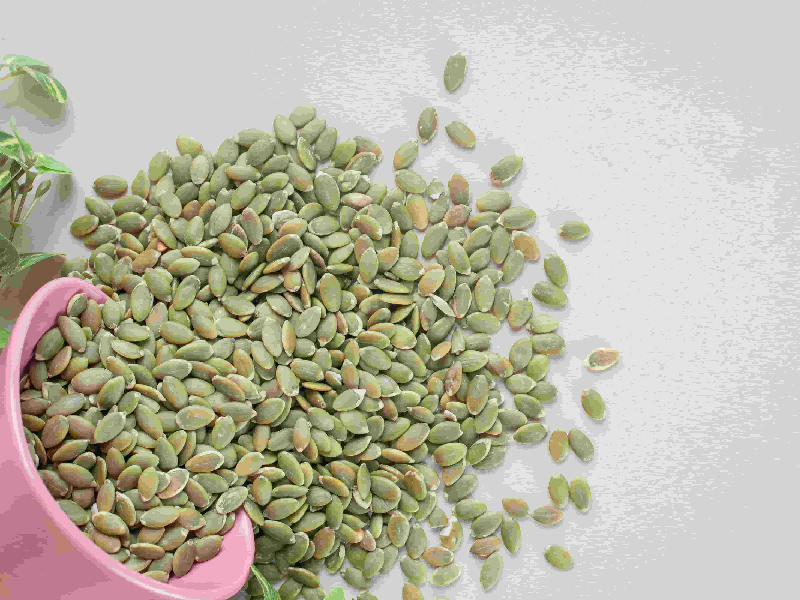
(42, 553)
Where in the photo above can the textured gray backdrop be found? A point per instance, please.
(669, 128)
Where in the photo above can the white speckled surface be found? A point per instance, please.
(660, 127)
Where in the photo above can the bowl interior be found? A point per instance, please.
(218, 578)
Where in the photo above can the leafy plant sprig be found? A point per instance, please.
(271, 594)
(23, 161)
(19, 65)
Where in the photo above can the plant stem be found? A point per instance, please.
(23, 194)
(8, 185)
(12, 74)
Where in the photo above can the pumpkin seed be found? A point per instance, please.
(454, 71)
(547, 293)
(601, 359)
(558, 557)
(460, 134)
(581, 445)
(511, 534)
(558, 488)
(427, 124)
(547, 515)
(593, 404)
(491, 570)
(573, 230)
(558, 445)
(505, 170)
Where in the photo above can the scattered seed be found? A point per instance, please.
(601, 359)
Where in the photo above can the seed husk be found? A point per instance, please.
(558, 557)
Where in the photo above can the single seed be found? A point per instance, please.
(601, 359)
(558, 557)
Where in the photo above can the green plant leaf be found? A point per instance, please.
(5, 334)
(48, 164)
(336, 594)
(19, 60)
(9, 145)
(9, 257)
(5, 177)
(28, 259)
(26, 147)
(266, 586)
(51, 85)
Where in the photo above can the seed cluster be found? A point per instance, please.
(273, 342)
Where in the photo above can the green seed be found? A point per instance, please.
(505, 170)
(84, 225)
(559, 445)
(406, 154)
(558, 488)
(445, 575)
(493, 200)
(581, 445)
(547, 293)
(580, 494)
(601, 359)
(110, 186)
(511, 534)
(517, 217)
(573, 230)
(516, 507)
(547, 515)
(555, 269)
(593, 404)
(491, 570)
(542, 324)
(460, 134)
(414, 569)
(558, 557)
(485, 547)
(427, 124)
(486, 524)
(454, 71)
(410, 182)
(469, 509)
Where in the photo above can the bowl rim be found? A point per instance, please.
(52, 291)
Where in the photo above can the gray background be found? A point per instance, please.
(671, 128)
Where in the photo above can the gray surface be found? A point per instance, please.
(672, 131)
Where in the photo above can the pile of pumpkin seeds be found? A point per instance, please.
(273, 342)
